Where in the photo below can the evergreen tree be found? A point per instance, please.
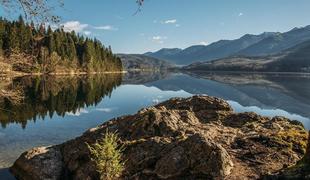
(51, 48)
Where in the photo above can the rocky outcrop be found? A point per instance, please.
(299, 171)
(307, 156)
(193, 138)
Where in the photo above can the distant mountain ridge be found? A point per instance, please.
(278, 42)
(250, 45)
(142, 62)
(295, 59)
(164, 53)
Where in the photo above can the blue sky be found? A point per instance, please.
(179, 23)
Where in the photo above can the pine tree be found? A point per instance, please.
(53, 48)
(50, 40)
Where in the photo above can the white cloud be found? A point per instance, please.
(107, 28)
(170, 21)
(158, 99)
(74, 26)
(83, 28)
(159, 39)
(87, 33)
(155, 101)
(77, 113)
(204, 43)
(53, 26)
(240, 14)
(107, 110)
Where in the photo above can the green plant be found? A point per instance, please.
(107, 155)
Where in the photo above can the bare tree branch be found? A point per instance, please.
(140, 3)
(37, 10)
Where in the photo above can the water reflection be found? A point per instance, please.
(71, 105)
(288, 92)
(29, 98)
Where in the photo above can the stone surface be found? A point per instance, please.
(193, 138)
(39, 163)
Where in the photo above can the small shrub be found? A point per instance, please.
(107, 155)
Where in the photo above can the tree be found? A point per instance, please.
(12, 38)
(50, 40)
(2, 35)
(44, 47)
(107, 155)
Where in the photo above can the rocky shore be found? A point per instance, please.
(193, 138)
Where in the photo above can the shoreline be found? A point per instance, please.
(20, 74)
(249, 72)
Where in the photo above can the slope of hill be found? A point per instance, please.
(142, 62)
(267, 43)
(296, 59)
(215, 50)
(278, 42)
(164, 53)
(26, 49)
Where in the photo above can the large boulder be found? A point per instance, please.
(39, 163)
(183, 138)
(299, 171)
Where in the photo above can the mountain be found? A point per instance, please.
(278, 42)
(164, 53)
(215, 50)
(138, 61)
(296, 59)
(268, 43)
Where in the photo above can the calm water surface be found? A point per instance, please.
(55, 109)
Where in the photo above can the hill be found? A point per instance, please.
(142, 62)
(27, 48)
(268, 43)
(278, 42)
(164, 53)
(296, 59)
(215, 50)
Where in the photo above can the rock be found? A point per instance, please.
(39, 163)
(307, 156)
(299, 171)
(192, 138)
(198, 154)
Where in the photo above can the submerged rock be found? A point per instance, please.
(193, 138)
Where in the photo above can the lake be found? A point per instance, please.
(40, 111)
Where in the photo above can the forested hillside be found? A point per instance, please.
(27, 48)
(142, 62)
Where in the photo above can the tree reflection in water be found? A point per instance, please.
(28, 98)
